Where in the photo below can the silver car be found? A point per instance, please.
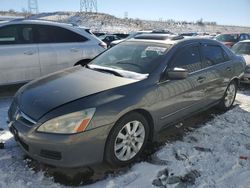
(243, 48)
(33, 48)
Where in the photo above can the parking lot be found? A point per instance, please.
(124, 95)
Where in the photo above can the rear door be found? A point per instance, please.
(59, 48)
(179, 98)
(218, 68)
(19, 60)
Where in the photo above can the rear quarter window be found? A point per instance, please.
(54, 34)
(66, 36)
(213, 55)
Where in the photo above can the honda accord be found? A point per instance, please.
(111, 108)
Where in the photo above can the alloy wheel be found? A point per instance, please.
(129, 140)
(230, 95)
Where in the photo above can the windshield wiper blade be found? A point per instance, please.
(106, 70)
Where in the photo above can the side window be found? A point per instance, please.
(188, 58)
(26, 34)
(212, 55)
(45, 34)
(16, 34)
(53, 34)
(9, 35)
(65, 36)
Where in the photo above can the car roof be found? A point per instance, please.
(232, 33)
(170, 39)
(42, 22)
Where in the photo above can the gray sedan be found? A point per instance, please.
(110, 109)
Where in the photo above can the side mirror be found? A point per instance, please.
(177, 73)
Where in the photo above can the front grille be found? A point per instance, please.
(15, 114)
(26, 120)
(51, 154)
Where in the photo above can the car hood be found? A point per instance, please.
(41, 96)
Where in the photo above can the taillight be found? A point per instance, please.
(104, 45)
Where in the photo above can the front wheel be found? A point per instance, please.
(127, 139)
(229, 96)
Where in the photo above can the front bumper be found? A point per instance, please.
(246, 78)
(68, 151)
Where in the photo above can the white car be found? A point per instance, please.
(131, 35)
(243, 48)
(33, 48)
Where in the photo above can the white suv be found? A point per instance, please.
(33, 48)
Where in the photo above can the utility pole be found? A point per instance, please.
(88, 6)
(33, 6)
(126, 15)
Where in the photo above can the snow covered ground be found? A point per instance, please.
(108, 23)
(215, 155)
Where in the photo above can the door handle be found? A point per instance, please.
(201, 79)
(228, 68)
(74, 50)
(29, 52)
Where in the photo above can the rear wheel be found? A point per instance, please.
(127, 139)
(229, 96)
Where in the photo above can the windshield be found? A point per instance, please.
(140, 58)
(227, 38)
(242, 48)
(102, 37)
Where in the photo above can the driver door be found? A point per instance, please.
(179, 98)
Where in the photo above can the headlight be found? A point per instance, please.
(68, 124)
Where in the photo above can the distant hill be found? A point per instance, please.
(108, 23)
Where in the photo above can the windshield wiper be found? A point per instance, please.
(105, 70)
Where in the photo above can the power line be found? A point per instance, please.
(88, 5)
(33, 6)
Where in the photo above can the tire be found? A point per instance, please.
(123, 146)
(229, 96)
